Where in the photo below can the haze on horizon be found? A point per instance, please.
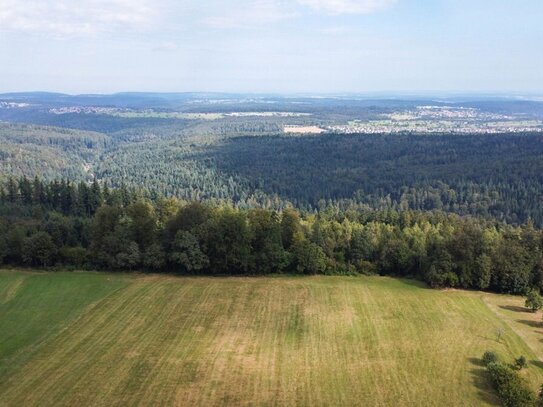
(283, 46)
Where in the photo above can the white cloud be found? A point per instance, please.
(73, 17)
(347, 6)
(255, 13)
(68, 18)
(250, 14)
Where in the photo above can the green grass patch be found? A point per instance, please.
(36, 306)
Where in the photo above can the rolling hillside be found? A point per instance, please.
(114, 339)
(48, 152)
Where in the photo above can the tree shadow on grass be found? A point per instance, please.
(533, 324)
(477, 362)
(514, 308)
(482, 383)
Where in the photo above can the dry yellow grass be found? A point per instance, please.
(159, 340)
(303, 129)
(528, 325)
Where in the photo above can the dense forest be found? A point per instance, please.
(91, 225)
(50, 152)
(493, 176)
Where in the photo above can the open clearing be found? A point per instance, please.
(303, 129)
(112, 339)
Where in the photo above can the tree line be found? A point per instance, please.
(93, 226)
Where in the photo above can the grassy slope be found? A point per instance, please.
(528, 325)
(307, 341)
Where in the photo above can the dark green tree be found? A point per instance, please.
(269, 256)
(39, 250)
(187, 253)
(310, 258)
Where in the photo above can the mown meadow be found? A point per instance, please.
(105, 339)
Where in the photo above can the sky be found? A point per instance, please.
(271, 46)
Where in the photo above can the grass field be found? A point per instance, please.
(74, 339)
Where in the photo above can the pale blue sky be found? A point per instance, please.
(315, 46)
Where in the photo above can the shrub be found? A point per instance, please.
(74, 256)
(490, 357)
(534, 301)
(512, 389)
(365, 267)
(521, 363)
(438, 279)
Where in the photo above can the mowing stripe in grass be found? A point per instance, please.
(315, 341)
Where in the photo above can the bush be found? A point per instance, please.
(512, 389)
(366, 267)
(74, 256)
(521, 363)
(335, 268)
(534, 301)
(438, 279)
(490, 357)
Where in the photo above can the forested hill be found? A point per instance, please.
(49, 152)
(494, 175)
(498, 175)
